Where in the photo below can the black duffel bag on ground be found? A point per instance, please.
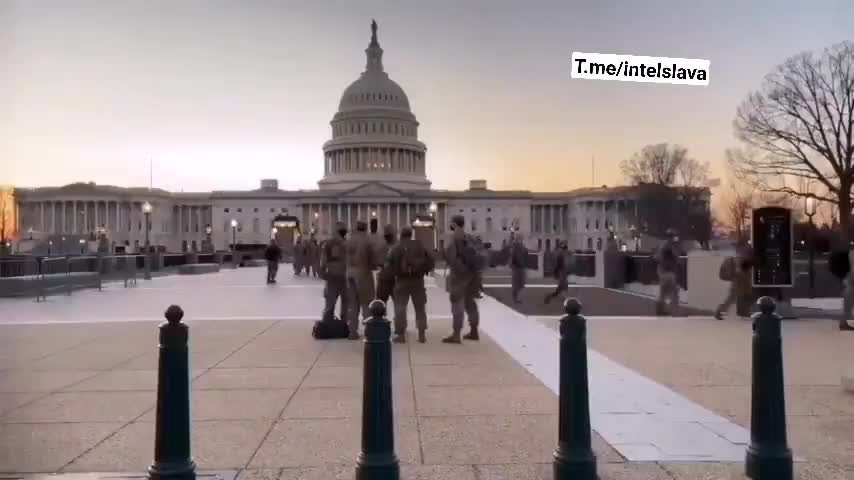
(329, 329)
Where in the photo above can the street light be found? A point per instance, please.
(146, 209)
(49, 244)
(234, 241)
(81, 245)
(810, 209)
(433, 213)
(30, 231)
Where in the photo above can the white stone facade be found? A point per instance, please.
(374, 167)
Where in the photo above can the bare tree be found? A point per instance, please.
(6, 217)
(802, 122)
(664, 164)
(674, 194)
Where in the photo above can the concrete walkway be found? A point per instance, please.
(77, 389)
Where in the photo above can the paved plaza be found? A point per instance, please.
(670, 397)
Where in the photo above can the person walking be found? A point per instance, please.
(563, 262)
(298, 260)
(360, 277)
(333, 270)
(273, 255)
(737, 270)
(409, 262)
(667, 258)
(847, 295)
(313, 248)
(465, 265)
(518, 265)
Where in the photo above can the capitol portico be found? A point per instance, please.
(374, 168)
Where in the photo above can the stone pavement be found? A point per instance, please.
(270, 402)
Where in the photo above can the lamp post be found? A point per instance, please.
(49, 245)
(146, 210)
(234, 241)
(30, 231)
(433, 213)
(82, 242)
(810, 209)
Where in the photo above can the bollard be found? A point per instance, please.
(768, 455)
(172, 424)
(574, 458)
(377, 460)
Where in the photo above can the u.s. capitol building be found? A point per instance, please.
(374, 169)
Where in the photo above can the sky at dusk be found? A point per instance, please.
(222, 93)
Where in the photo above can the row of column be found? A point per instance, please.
(351, 160)
(78, 217)
(324, 216)
(548, 219)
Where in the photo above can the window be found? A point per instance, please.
(504, 224)
(473, 225)
(489, 224)
(255, 210)
(473, 210)
(488, 209)
(225, 210)
(256, 225)
(597, 224)
(284, 210)
(272, 210)
(239, 210)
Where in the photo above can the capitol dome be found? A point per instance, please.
(374, 133)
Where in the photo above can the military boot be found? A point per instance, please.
(472, 335)
(399, 338)
(422, 336)
(453, 338)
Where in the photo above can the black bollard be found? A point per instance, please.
(172, 424)
(768, 455)
(377, 460)
(574, 458)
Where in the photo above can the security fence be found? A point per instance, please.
(39, 277)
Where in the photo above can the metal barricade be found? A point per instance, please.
(53, 275)
(83, 271)
(18, 276)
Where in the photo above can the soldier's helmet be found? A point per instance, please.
(671, 232)
(406, 231)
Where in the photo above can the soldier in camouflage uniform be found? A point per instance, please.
(740, 288)
(563, 262)
(385, 277)
(360, 277)
(462, 284)
(409, 261)
(333, 269)
(518, 265)
(667, 258)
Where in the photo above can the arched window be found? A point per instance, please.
(382, 128)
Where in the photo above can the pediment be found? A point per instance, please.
(373, 189)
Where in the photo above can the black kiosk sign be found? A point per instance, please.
(772, 246)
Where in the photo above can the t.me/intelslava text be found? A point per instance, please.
(632, 68)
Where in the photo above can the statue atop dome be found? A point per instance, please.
(374, 42)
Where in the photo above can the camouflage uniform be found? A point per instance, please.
(385, 277)
(313, 255)
(668, 287)
(360, 277)
(740, 287)
(462, 285)
(333, 269)
(563, 262)
(847, 295)
(298, 256)
(518, 267)
(409, 284)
